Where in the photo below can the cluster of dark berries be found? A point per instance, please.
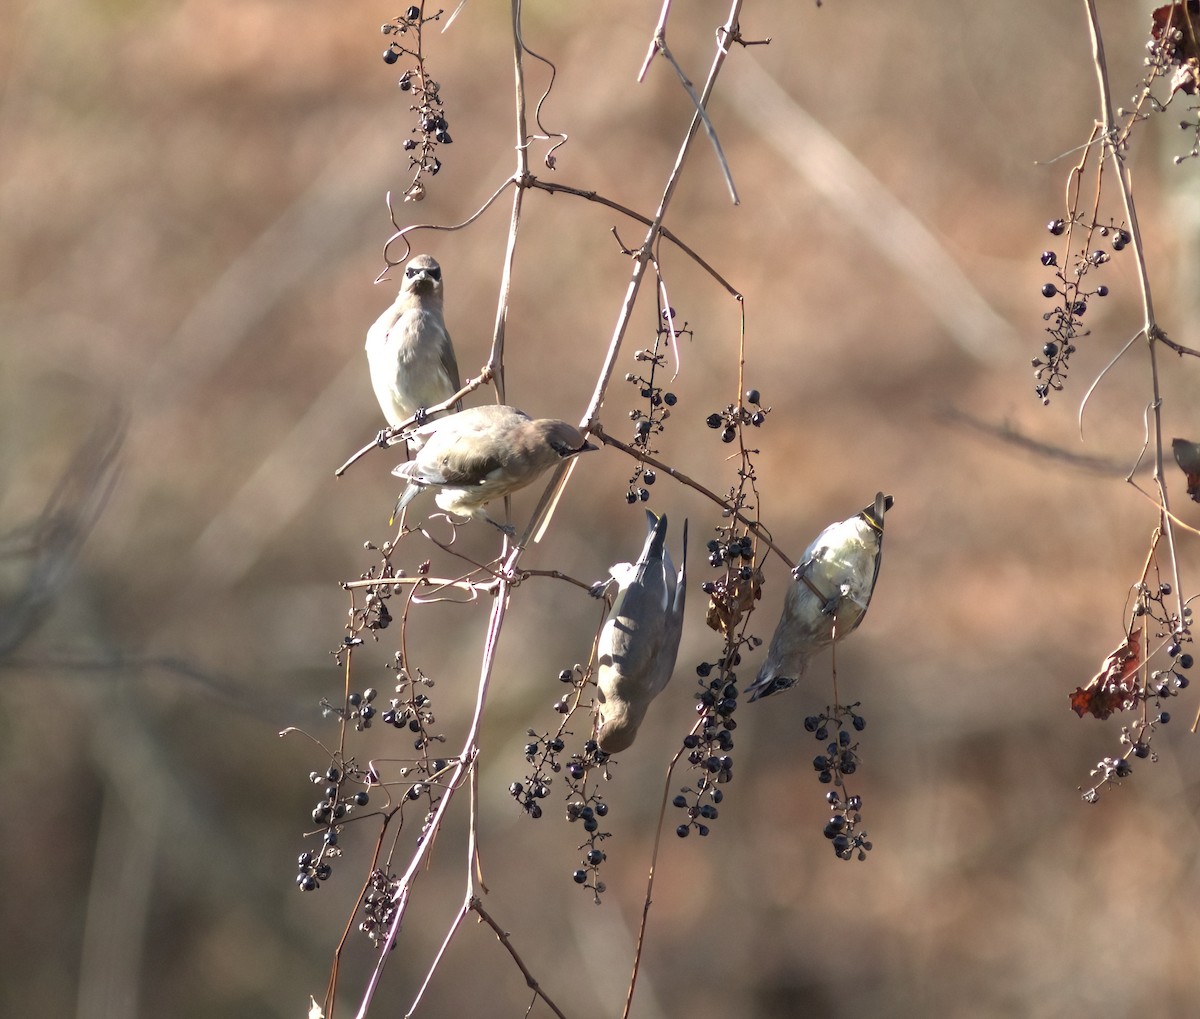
(738, 548)
(1152, 602)
(541, 752)
(357, 709)
(412, 708)
(1071, 298)
(650, 420)
(843, 828)
(413, 714)
(586, 810)
(379, 905)
(839, 761)
(313, 870)
(709, 744)
(728, 419)
(698, 812)
(331, 810)
(432, 128)
(376, 614)
(1162, 684)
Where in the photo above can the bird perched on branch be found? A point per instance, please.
(640, 639)
(831, 589)
(484, 453)
(409, 350)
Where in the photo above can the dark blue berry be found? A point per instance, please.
(390, 56)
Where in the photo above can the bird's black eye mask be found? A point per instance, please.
(434, 274)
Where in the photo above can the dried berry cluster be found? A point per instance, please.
(650, 420)
(431, 129)
(379, 905)
(331, 810)
(838, 761)
(1071, 296)
(709, 743)
(544, 753)
(1149, 696)
(586, 807)
(1173, 53)
(731, 416)
(358, 709)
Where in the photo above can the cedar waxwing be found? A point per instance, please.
(640, 639)
(484, 453)
(833, 582)
(408, 349)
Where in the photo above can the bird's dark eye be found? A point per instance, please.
(434, 273)
(410, 273)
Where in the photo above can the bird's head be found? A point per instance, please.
(566, 440)
(423, 277)
(619, 724)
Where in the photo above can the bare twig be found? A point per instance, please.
(1150, 328)
(658, 44)
(593, 196)
(476, 907)
(403, 232)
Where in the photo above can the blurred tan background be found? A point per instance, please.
(191, 217)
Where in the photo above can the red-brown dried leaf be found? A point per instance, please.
(1114, 687)
(1180, 16)
(731, 599)
(1175, 27)
(1187, 455)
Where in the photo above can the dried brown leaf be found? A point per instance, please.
(1114, 687)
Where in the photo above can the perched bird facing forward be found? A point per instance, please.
(408, 349)
(484, 453)
(640, 639)
(833, 584)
